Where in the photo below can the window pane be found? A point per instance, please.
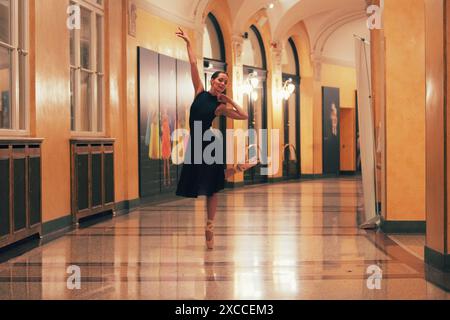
(99, 43)
(5, 21)
(5, 89)
(86, 102)
(72, 47)
(72, 99)
(289, 65)
(292, 105)
(22, 91)
(100, 103)
(211, 42)
(22, 25)
(86, 35)
(251, 53)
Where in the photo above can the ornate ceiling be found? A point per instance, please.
(321, 17)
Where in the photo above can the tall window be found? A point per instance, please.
(213, 49)
(213, 46)
(255, 101)
(214, 60)
(87, 80)
(13, 65)
(291, 111)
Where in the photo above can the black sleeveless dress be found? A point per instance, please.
(197, 177)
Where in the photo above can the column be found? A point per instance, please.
(437, 127)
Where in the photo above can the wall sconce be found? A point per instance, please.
(254, 96)
(288, 89)
(253, 79)
(250, 85)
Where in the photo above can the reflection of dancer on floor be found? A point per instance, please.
(166, 147)
(207, 179)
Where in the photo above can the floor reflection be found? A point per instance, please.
(296, 240)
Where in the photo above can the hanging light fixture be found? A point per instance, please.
(288, 89)
(250, 85)
(254, 95)
(253, 79)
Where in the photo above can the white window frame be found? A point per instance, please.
(16, 54)
(95, 10)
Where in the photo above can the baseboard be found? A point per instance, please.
(318, 176)
(277, 180)
(54, 229)
(309, 176)
(160, 198)
(124, 207)
(19, 248)
(439, 278)
(234, 185)
(405, 227)
(349, 173)
(438, 260)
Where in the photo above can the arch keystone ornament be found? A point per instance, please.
(132, 17)
(238, 43)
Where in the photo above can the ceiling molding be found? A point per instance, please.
(331, 26)
(338, 62)
(165, 14)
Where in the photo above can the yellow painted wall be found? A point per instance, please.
(404, 23)
(343, 78)
(53, 105)
(116, 94)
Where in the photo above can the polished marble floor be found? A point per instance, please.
(413, 243)
(297, 240)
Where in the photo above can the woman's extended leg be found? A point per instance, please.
(211, 207)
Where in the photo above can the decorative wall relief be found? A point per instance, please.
(132, 17)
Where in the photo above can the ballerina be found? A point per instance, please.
(207, 179)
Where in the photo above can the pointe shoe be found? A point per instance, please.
(209, 234)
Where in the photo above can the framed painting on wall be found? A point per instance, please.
(331, 130)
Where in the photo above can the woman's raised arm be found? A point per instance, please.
(196, 80)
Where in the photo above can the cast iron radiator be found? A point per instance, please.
(20, 190)
(92, 177)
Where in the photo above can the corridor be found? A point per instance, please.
(294, 240)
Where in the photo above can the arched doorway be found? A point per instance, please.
(291, 112)
(214, 59)
(255, 99)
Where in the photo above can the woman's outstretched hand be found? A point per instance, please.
(181, 34)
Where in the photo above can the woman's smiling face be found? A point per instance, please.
(219, 84)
